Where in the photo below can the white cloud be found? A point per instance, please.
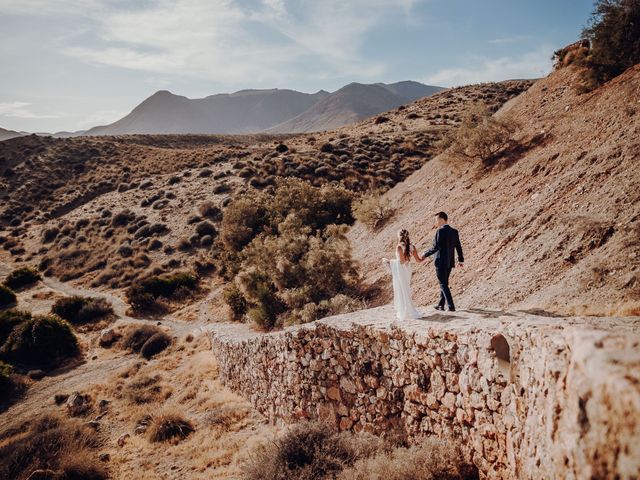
(529, 65)
(512, 39)
(21, 110)
(226, 41)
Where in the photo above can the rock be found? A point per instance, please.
(78, 404)
(36, 374)
(94, 424)
(104, 457)
(107, 337)
(103, 405)
(60, 398)
(122, 439)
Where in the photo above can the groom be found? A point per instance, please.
(444, 244)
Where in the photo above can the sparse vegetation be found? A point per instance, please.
(41, 341)
(288, 250)
(315, 451)
(81, 310)
(151, 294)
(372, 210)
(481, 136)
(7, 297)
(65, 446)
(21, 278)
(156, 344)
(137, 335)
(169, 427)
(609, 46)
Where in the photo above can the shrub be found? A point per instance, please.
(614, 37)
(372, 211)
(79, 310)
(65, 446)
(146, 389)
(41, 341)
(309, 451)
(286, 249)
(22, 277)
(143, 296)
(137, 336)
(7, 297)
(9, 320)
(481, 136)
(156, 344)
(432, 459)
(210, 210)
(237, 304)
(169, 427)
(242, 221)
(11, 385)
(206, 228)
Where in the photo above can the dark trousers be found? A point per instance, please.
(445, 293)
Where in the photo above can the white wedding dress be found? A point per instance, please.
(401, 277)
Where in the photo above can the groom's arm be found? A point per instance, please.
(459, 250)
(436, 246)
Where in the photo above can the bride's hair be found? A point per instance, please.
(404, 239)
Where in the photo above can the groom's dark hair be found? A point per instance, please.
(443, 216)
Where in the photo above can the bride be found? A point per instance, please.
(401, 274)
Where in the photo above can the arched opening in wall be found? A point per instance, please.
(501, 348)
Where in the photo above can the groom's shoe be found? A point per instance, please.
(451, 309)
(438, 307)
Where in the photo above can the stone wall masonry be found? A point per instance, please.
(527, 396)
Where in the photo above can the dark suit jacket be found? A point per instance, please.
(444, 244)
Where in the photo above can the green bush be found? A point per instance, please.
(287, 249)
(143, 296)
(233, 297)
(79, 310)
(7, 297)
(614, 37)
(22, 277)
(137, 336)
(9, 320)
(11, 385)
(155, 344)
(40, 341)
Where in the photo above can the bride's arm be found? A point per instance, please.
(416, 255)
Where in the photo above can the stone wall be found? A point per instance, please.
(526, 396)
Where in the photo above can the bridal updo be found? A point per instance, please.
(403, 235)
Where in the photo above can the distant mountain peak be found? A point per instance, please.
(260, 110)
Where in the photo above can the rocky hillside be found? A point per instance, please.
(554, 224)
(107, 210)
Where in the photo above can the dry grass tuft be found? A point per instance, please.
(431, 460)
(147, 389)
(51, 442)
(169, 426)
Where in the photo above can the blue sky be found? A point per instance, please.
(72, 64)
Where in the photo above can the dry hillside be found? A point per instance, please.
(108, 210)
(554, 225)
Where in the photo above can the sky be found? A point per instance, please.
(73, 64)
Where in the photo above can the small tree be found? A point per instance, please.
(614, 36)
(371, 210)
(481, 136)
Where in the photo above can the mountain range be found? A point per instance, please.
(251, 111)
